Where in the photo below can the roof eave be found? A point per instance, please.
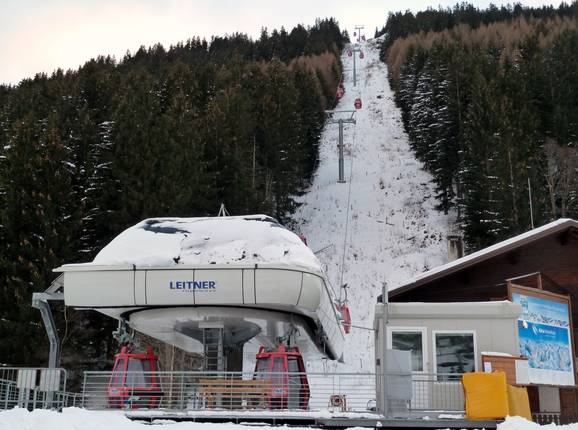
(472, 259)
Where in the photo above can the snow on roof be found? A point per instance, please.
(171, 242)
(488, 252)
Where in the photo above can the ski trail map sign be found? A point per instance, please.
(545, 335)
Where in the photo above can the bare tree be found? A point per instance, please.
(561, 177)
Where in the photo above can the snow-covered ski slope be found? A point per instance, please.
(394, 231)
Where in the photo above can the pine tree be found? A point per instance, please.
(481, 200)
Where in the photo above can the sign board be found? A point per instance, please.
(26, 379)
(513, 367)
(545, 335)
(50, 380)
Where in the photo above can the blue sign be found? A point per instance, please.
(544, 337)
(547, 347)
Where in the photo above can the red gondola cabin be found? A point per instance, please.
(134, 383)
(286, 371)
(345, 316)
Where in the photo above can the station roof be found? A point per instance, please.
(503, 247)
(189, 242)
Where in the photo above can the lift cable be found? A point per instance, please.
(361, 327)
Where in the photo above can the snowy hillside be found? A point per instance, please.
(394, 232)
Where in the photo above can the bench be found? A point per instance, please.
(235, 393)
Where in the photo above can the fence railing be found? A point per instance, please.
(437, 392)
(228, 391)
(33, 388)
(201, 391)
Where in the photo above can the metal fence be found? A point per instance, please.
(437, 392)
(34, 388)
(194, 391)
(212, 391)
(202, 391)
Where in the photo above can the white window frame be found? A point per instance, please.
(434, 349)
(424, 343)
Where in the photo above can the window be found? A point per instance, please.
(148, 367)
(294, 398)
(262, 371)
(118, 373)
(455, 352)
(134, 376)
(406, 339)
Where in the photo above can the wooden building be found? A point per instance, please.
(544, 261)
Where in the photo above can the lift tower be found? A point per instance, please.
(354, 52)
(345, 117)
(358, 30)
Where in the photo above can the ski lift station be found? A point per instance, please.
(222, 282)
(215, 285)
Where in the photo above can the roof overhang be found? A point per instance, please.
(500, 248)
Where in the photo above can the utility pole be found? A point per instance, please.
(358, 29)
(354, 51)
(347, 118)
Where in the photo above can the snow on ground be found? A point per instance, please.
(519, 423)
(394, 231)
(80, 419)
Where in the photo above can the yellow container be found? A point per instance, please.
(486, 395)
(518, 402)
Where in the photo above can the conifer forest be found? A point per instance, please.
(161, 132)
(489, 99)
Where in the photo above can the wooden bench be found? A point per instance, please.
(235, 393)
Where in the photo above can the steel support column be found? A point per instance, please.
(40, 301)
(348, 119)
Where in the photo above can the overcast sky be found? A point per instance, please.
(42, 35)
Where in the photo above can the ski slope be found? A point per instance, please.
(393, 229)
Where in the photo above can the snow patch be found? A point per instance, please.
(76, 418)
(171, 242)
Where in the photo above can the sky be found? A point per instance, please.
(42, 35)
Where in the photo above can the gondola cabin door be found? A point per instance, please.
(134, 383)
(286, 372)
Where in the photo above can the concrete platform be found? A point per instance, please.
(311, 419)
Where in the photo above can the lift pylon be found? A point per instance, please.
(345, 117)
(353, 51)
